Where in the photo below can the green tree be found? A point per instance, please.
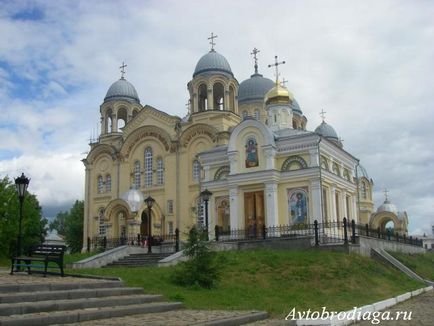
(70, 225)
(33, 225)
(201, 268)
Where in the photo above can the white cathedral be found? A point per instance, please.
(247, 143)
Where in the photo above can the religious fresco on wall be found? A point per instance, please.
(297, 205)
(252, 159)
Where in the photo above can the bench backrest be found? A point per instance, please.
(47, 250)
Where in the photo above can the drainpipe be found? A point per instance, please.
(358, 192)
(320, 183)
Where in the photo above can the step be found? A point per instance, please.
(67, 294)
(7, 309)
(14, 288)
(75, 316)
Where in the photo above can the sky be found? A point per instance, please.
(368, 64)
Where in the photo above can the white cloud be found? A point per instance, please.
(368, 64)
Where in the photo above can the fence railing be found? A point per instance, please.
(103, 243)
(338, 232)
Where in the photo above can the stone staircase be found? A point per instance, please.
(61, 303)
(139, 260)
(383, 255)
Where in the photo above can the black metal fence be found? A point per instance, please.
(339, 232)
(103, 243)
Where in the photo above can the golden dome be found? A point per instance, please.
(278, 94)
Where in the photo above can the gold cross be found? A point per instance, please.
(276, 64)
(283, 82)
(122, 68)
(322, 114)
(212, 37)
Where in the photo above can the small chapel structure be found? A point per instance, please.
(248, 143)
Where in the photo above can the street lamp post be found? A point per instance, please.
(149, 202)
(21, 184)
(206, 194)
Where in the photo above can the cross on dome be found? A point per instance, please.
(122, 68)
(322, 114)
(283, 82)
(386, 192)
(255, 51)
(212, 37)
(276, 64)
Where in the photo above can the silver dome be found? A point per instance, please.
(122, 90)
(254, 88)
(212, 61)
(326, 131)
(387, 206)
(361, 172)
(296, 108)
(134, 198)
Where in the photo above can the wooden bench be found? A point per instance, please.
(39, 257)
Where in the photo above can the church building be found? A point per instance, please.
(247, 143)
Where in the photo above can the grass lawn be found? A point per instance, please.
(277, 281)
(421, 264)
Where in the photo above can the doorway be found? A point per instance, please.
(254, 214)
(144, 225)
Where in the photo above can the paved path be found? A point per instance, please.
(421, 307)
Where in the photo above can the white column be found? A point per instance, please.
(272, 217)
(354, 208)
(315, 194)
(210, 99)
(87, 218)
(233, 160)
(226, 100)
(344, 205)
(269, 153)
(234, 195)
(333, 211)
(211, 218)
(206, 172)
(313, 157)
(114, 123)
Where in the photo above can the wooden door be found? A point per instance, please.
(254, 213)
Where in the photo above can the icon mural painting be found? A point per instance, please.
(297, 202)
(251, 153)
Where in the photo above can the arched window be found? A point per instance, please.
(196, 171)
(100, 185)
(257, 114)
(160, 171)
(294, 162)
(324, 163)
(148, 167)
(108, 183)
(137, 177)
(335, 169)
(203, 98)
(218, 91)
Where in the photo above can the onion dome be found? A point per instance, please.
(327, 131)
(134, 198)
(254, 88)
(387, 206)
(213, 62)
(278, 94)
(122, 90)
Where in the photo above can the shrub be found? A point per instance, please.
(202, 268)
